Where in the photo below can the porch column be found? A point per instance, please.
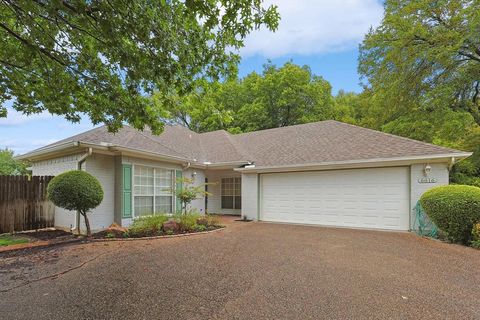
(250, 196)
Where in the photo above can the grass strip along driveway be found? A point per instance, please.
(247, 271)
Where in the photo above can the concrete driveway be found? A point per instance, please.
(248, 271)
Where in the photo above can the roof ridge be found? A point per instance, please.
(203, 151)
(236, 145)
(280, 128)
(207, 132)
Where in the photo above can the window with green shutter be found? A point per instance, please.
(127, 191)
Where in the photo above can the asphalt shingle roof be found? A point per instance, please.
(310, 143)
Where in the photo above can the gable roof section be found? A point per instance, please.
(318, 142)
(219, 147)
(330, 141)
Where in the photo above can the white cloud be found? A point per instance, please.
(310, 27)
(15, 118)
(20, 146)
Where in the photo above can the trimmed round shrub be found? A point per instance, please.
(454, 209)
(76, 190)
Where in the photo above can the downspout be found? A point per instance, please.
(450, 165)
(80, 162)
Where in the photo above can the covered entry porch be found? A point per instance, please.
(225, 192)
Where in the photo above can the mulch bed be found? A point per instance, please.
(41, 238)
(157, 236)
(48, 234)
(116, 232)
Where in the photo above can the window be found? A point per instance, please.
(152, 191)
(231, 193)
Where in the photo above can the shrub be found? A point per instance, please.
(187, 222)
(476, 236)
(454, 209)
(200, 228)
(209, 220)
(164, 224)
(189, 192)
(147, 225)
(76, 190)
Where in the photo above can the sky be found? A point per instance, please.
(323, 34)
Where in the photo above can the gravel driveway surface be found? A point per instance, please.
(247, 271)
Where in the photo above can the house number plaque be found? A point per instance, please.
(427, 180)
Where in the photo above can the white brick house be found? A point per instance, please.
(325, 173)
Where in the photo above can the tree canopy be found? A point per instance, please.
(280, 96)
(10, 166)
(421, 71)
(103, 58)
(425, 56)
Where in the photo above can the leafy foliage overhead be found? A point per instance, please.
(280, 96)
(101, 58)
(425, 55)
(421, 69)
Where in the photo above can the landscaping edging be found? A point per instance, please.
(157, 237)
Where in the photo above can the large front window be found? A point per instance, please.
(152, 190)
(232, 193)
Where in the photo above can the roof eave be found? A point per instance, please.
(71, 146)
(35, 154)
(227, 164)
(360, 163)
(157, 156)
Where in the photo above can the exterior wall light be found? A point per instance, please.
(427, 169)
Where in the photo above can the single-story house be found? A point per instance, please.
(325, 173)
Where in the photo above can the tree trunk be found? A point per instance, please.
(87, 224)
(77, 220)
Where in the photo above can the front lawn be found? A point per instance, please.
(8, 240)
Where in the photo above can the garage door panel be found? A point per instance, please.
(369, 198)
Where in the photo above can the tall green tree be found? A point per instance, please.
(280, 96)
(102, 58)
(421, 71)
(424, 56)
(10, 166)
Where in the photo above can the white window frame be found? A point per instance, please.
(174, 186)
(234, 191)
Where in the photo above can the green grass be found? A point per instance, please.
(8, 240)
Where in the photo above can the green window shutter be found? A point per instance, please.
(178, 187)
(127, 191)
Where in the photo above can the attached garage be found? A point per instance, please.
(375, 198)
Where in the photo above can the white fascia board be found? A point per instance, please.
(70, 146)
(45, 150)
(226, 165)
(152, 155)
(363, 163)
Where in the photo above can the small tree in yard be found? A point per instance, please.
(76, 190)
(190, 192)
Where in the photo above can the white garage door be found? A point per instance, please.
(362, 198)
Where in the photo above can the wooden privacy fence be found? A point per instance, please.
(24, 204)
